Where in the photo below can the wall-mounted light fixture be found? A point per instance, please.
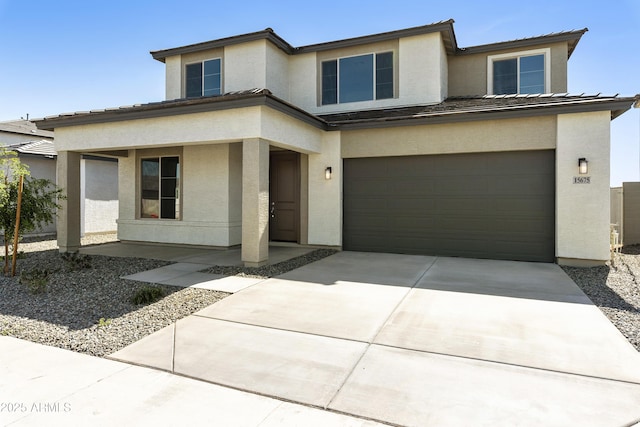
(327, 173)
(583, 165)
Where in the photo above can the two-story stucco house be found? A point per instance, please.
(396, 142)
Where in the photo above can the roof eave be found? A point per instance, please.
(266, 34)
(571, 37)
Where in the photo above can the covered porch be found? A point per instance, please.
(217, 192)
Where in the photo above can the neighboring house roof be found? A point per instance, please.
(443, 27)
(43, 147)
(450, 110)
(24, 127)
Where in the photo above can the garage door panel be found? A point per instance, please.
(489, 205)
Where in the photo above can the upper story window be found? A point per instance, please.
(204, 78)
(523, 73)
(357, 78)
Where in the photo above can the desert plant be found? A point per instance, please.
(35, 280)
(103, 322)
(147, 295)
(75, 261)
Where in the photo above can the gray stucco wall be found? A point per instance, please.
(631, 191)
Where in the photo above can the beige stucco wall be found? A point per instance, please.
(245, 65)
(173, 77)
(99, 196)
(533, 133)
(277, 72)
(582, 210)
(211, 127)
(325, 196)
(286, 132)
(211, 197)
(468, 73)
(303, 75)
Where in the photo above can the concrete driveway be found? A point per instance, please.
(413, 340)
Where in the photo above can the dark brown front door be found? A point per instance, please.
(284, 196)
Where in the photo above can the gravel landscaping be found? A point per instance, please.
(88, 308)
(615, 289)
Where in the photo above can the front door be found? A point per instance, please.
(284, 196)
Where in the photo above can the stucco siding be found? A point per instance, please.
(304, 81)
(210, 198)
(420, 70)
(99, 199)
(631, 195)
(583, 210)
(245, 66)
(325, 195)
(468, 73)
(197, 128)
(286, 132)
(534, 133)
(277, 78)
(173, 77)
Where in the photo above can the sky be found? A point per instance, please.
(66, 55)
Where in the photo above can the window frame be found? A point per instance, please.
(201, 62)
(518, 55)
(178, 198)
(374, 86)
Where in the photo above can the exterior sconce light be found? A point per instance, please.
(583, 165)
(327, 173)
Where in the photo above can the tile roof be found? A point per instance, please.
(488, 106)
(229, 100)
(42, 147)
(450, 110)
(24, 127)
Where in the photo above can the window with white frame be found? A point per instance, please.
(519, 73)
(160, 187)
(357, 78)
(204, 78)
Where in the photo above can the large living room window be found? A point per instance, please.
(357, 78)
(524, 73)
(160, 187)
(204, 78)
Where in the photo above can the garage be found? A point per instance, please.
(482, 205)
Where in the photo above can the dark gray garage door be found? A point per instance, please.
(488, 205)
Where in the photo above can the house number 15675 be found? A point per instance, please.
(582, 180)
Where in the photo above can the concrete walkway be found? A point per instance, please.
(413, 340)
(48, 386)
(347, 341)
(189, 261)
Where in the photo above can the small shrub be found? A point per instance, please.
(103, 322)
(75, 261)
(147, 295)
(35, 280)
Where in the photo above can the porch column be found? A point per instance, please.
(255, 202)
(68, 177)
